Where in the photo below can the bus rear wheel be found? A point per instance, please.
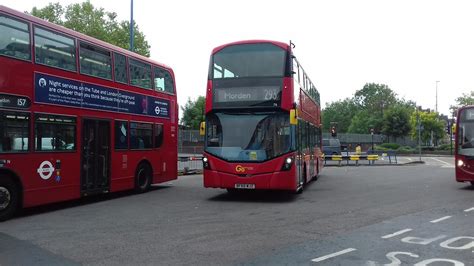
(143, 178)
(472, 183)
(9, 197)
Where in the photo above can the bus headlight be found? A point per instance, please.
(287, 165)
(205, 163)
(460, 163)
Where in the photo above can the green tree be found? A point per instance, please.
(94, 22)
(375, 98)
(396, 122)
(363, 121)
(193, 112)
(465, 99)
(341, 112)
(430, 122)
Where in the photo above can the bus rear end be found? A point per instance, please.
(464, 151)
(249, 141)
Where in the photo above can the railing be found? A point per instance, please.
(371, 157)
(189, 164)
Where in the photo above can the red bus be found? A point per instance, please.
(262, 120)
(464, 150)
(79, 116)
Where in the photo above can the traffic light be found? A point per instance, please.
(333, 132)
(448, 129)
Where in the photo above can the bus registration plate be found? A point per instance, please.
(245, 186)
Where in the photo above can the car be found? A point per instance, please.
(331, 146)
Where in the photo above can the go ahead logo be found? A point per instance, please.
(242, 169)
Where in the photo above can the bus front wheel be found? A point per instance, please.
(9, 197)
(143, 177)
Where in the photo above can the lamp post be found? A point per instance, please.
(372, 134)
(436, 107)
(131, 26)
(418, 120)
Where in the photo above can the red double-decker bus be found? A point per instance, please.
(262, 121)
(464, 150)
(79, 116)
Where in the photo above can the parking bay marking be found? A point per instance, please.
(469, 210)
(342, 252)
(440, 219)
(441, 161)
(397, 233)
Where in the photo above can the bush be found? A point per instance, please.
(444, 147)
(406, 149)
(390, 146)
(380, 148)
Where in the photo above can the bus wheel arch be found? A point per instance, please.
(316, 174)
(305, 174)
(11, 194)
(143, 176)
(302, 183)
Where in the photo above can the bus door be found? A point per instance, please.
(95, 176)
(300, 156)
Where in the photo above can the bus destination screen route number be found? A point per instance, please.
(247, 95)
(72, 93)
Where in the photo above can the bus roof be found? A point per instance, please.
(76, 34)
(280, 44)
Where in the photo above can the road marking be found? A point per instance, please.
(440, 219)
(441, 161)
(469, 210)
(342, 252)
(397, 233)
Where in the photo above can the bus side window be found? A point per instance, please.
(15, 37)
(120, 65)
(163, 80)
(14, 132)
(95, 61)
(121, 135)
(140, 74)
(54, 49)
(158, 135)
(55, 133)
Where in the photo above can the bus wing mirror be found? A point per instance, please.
(293, 117)
(202, 128)
(453, 129)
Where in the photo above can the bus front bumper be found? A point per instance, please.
(285, 180)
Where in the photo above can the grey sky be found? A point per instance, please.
(342, 45)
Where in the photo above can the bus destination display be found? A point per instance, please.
(258, 96)
(14, 101)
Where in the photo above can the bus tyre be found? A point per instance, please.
(143, 178)
(472, 183)
(9, 197)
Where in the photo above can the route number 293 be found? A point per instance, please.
(271, 94)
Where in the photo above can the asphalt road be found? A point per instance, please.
(366, 215)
